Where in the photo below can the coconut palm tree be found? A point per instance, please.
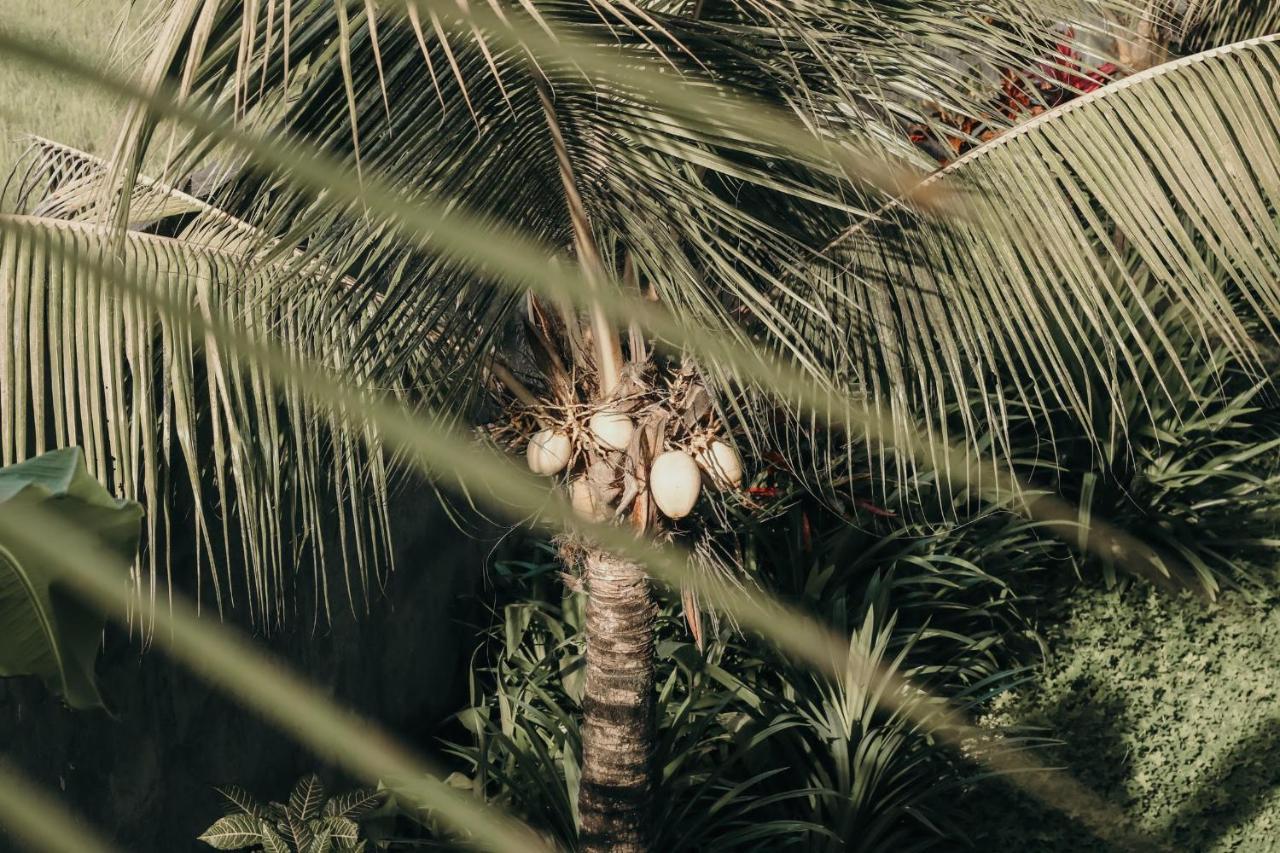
(743, 163)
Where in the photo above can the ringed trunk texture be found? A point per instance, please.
(618, 708)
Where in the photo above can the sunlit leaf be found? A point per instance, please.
(44, 631)
(233, 832)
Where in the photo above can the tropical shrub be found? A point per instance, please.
(311, 821)
(757, 753)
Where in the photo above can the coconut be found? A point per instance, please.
(675, 483)
(612, 429)
(722, 464)
(549, 452)
(586, 502)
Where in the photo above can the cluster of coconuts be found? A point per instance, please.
(675, 477)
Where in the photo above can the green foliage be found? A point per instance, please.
(953, 601)
(526, 748)
(310, 822)
(1196, 470)
(1204, 483)
(1162, 705)
(205, 405)
(757, 752)
(45, 631)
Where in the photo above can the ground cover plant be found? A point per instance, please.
(1165, 704)
(311, 820)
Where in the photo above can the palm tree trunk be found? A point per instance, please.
(618, 707)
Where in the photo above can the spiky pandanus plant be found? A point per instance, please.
(678, 195)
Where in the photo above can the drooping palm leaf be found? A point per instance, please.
(368, 90)
(57, 181)
(167, 418)
(455, 237)
(720, 225)
(1084, 226)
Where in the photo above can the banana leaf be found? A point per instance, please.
(44, 630)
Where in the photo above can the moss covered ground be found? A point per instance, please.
(1168, 707)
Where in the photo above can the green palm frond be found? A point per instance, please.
(1084, 227)
(457, 118)
(172, 421)
(721, 226)
(1206, 24)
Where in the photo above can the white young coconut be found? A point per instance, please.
(722, 464)
(675, 483)
(612, 429)
(586, 502)
(549, 452)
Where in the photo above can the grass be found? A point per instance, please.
(1167, 707)
(50, 104)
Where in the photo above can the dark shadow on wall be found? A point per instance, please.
(146, 778)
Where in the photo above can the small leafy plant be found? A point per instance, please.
(311, 822)
(44, 631)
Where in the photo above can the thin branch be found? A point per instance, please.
(513, 384)
(608, 345)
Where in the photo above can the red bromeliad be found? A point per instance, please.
(1061, 78)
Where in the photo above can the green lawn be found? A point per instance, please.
(1169, 708)
(49, 103)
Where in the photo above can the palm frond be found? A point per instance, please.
(173, 421)
(364, 246)
(427, 221)
(473, 134)
(718, 224)
(57, 181)
(1206, 24)
(1083, 227)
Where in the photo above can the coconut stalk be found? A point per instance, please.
(618, 704)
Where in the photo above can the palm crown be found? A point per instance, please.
(731, 228)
